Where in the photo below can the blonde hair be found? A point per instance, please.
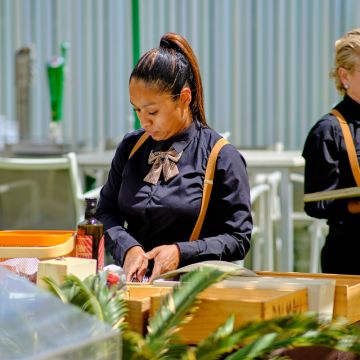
(347, 55)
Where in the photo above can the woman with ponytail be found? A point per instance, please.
(151, 201)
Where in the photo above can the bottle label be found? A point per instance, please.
(84, 249)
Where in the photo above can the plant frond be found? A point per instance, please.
(189, 354)
(55, 289)
(86, 297)
(115, 311)
(94, 296)
(178, 351)
(177, 304)
(218, 343)
(132, 345)
(294, 331)
(344, 338)
(254, 349)
(286, 326)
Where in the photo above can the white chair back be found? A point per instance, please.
(261, 251)
(40, 193)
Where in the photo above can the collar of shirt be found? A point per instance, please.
(349, 109)
(179, 141)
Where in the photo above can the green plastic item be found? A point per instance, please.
(135, 11)
(56, 75)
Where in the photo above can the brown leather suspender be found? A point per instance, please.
(208, 184)
(141, 140)
(349, 144)
(208, 180)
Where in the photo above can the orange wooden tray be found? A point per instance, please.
(34, 238)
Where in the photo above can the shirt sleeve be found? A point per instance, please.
(117, 240)
(322, 154)
(226, 232)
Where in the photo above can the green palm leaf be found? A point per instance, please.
(218, 343)
(292, 325)
(93, 295)
(132, 344)
(336, 334)
(177, 307)
(85, 297)
(224, 342)
(55, 289)
(111, 300)
(255, 349)
(294, 331)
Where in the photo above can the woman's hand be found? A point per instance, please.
(354, 206)
(166, 258)
(135, 264)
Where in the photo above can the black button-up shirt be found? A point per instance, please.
(135, 212)
(327, 165)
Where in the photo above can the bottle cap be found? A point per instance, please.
(91, 201)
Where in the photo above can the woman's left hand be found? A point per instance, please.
(166, 258)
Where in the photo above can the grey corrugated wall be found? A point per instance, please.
(264, 63)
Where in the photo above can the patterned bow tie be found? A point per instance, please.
(164, 161)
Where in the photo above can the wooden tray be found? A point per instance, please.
(36, 244)
(30, 238)
(346, 193)
(215, 307)
(347, 292)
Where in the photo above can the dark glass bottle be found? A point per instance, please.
(90, 235)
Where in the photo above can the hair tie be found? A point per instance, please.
(165, 43)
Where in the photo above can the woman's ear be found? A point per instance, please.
(343, 75)
(185, 96)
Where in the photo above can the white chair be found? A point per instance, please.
(41, 193)
(316, 228)
(260, 256)
(273, 179)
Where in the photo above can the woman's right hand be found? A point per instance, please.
(354, 206)
(135, 264)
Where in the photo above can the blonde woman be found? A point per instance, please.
(327, 165)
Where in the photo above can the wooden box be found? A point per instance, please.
(216, 306)
(58, 268)
(139, 303)
(320, 291)
(347, 292)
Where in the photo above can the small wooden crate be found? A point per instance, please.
(139, 302)
(59, 268)
(347, 292)
(216, 306)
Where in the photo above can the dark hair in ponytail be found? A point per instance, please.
(170, 67)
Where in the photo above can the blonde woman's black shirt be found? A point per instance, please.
(327, 165)
(135, 212)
